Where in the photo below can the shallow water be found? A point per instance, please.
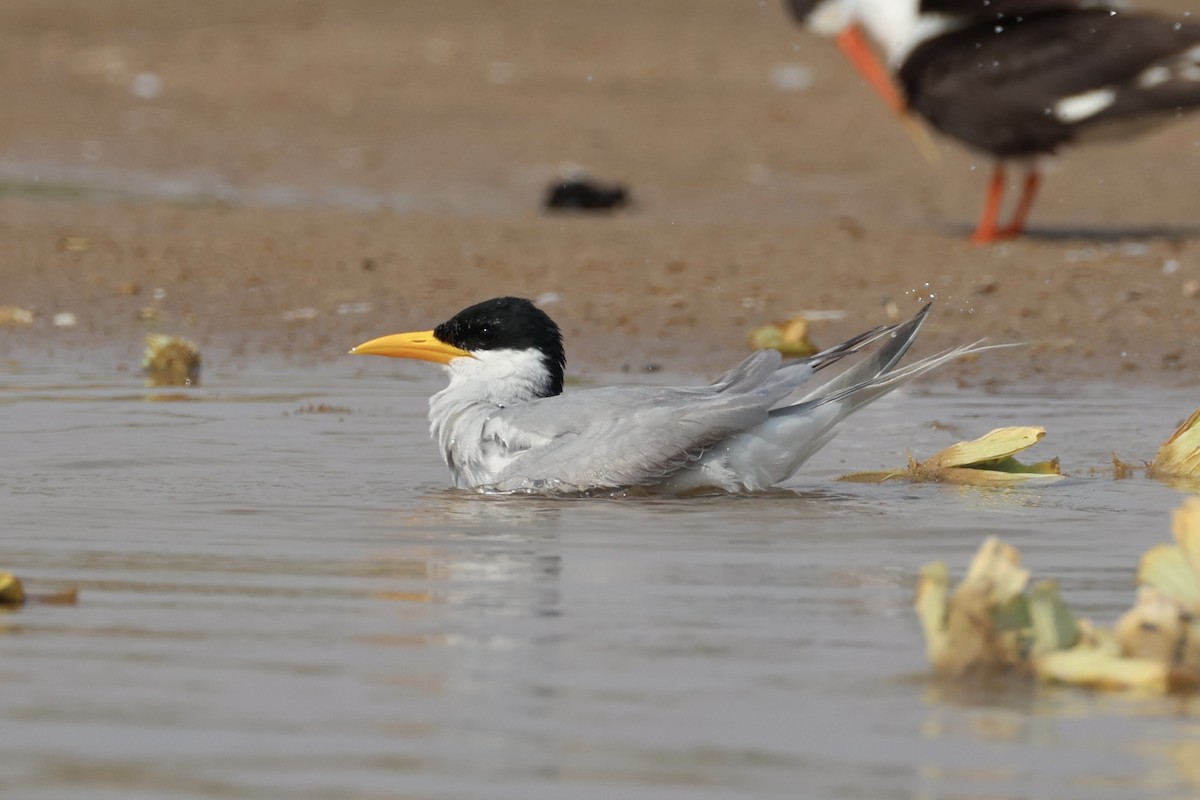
(281, 601)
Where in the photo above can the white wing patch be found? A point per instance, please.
(1155, 76)
(1079, 107)
(1184, 67)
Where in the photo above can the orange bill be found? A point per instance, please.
(854, 44)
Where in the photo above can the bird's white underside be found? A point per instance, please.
(478, 387)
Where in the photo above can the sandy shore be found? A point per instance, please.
(288, 178)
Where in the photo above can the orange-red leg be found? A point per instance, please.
(1033, 180)
(987, 233)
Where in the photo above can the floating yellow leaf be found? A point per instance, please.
(15, 316)
(1095, 669)
(11, 591)
(1054, 626)
(1179, 456)
(1165, 567)
(992, 447)
(986, 461)
(1185, 527)
(1155, 629)
(932, 606)
(991, 624)
(1175, 569)
(12, 594)
(995, 574)
(170, 361)
(789, 338)
(977, 629)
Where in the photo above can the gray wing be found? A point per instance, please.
(639, 435)
(634, 435)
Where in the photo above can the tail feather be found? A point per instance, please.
(860, 394)
(773, 450)
(791, 376)
(879, 362)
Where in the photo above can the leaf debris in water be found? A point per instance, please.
(992, 624)
(1121, 469)
(322, 408)
(170, 361)
(987, 461)
(13, 595)
(15, 316)
(791, 338)
(11, 591)
(972, 630)
(1179, 455)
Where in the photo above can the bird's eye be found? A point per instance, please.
(486, 334)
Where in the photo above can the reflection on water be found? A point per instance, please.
(284, 603)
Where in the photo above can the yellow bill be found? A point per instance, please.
(421, 345)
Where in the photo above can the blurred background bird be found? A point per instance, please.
(1018, 79)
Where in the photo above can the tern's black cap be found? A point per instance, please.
(508, 323)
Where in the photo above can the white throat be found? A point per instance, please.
(479, 387)
(498, 377)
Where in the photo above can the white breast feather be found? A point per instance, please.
(479, 387)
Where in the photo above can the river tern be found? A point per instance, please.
(504, 424)
(1018, 79)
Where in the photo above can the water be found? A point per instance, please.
(282, 602)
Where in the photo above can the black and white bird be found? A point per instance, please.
(503, 424)
(1019, 79)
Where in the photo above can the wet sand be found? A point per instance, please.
(294, 177)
